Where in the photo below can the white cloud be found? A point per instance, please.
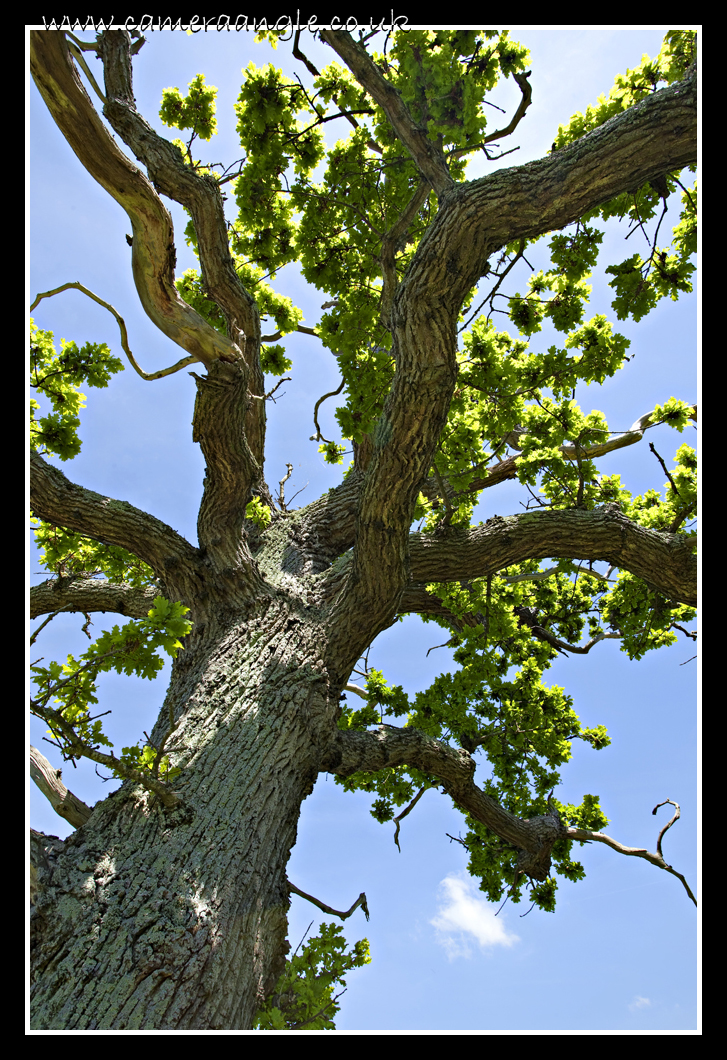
(639, 1002)
(464, 915)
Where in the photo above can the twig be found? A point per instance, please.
(403, 813)
(456, 839)
(122, 328)
(673, 484)
(360, 901)
(285, 379)
(318, 437)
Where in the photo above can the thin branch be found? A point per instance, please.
(269, 395)
(527, 93)
(303, 1023)
(76, 53)
(668, 825)
(281, 494)
(122, 328)
(50, 618)
(584, 836)
(403, 813)
(360, 901)
(318, 437)
(666, 472)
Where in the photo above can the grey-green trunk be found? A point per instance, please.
(177, 919)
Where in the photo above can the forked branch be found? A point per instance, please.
(657, 859)
(388, 747)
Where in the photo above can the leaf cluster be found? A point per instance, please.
(56, 377)
(131, 649)
(304, 998)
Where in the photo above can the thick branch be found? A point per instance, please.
(199, 193)
(426, 155)
(231, 468)
(63, 801)
(474, 220)
(61, 502)
(664, 560)
(89, 594)
(389, 247)
(387, 747)
(153, 254)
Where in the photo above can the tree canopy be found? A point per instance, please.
(548, 351)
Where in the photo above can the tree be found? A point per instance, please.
(432, 419)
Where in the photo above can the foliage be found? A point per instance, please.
(130, 649)
(304, 998)
(56, 377)
(259, 513)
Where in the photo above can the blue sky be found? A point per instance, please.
(620, 952)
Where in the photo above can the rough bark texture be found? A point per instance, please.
(176, 919)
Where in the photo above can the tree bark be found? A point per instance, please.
(177, 919)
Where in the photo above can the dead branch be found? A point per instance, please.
(360, 901)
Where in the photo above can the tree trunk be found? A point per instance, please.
(162, 919)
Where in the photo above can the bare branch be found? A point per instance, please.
(81, 593)
(64, 802)
(318, 437)
(584, 836)
(122, 328)
(356, 690)
(409, 808)
(360, 901)
(281, 494)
